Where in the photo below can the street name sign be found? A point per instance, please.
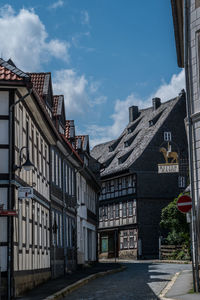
(184, 204)
(25, 192)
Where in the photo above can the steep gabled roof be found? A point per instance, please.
(40, 82)
(9, 72)
(132, 143)
(57, 105)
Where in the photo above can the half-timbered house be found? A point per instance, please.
(142, 171)
(87, 190)
(28, 133)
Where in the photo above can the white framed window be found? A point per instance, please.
(60, 170)
(181, 182)
(20, 224)
(167, 136)
(124, 209)
(27, 227)
(42, 233)
(130, 208)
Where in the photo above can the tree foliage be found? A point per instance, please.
(174, 222)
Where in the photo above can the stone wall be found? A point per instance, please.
(24, 282)
(129, 254)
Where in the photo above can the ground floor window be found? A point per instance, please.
(128, 239)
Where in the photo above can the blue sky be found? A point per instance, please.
(104, 55)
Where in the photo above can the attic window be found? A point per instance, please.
(128, 142)
(123, 158)
(132, 127)
(115, 144)
(155, 119)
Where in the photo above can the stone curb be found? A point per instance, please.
(60, 294)
(168, 287)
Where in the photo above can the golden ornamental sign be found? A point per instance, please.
(171, 160)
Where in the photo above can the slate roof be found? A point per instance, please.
(120, 154)
(8, 71)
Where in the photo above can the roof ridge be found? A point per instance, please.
(13, 69)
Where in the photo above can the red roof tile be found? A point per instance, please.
(6, 74)
(38, 80)
(55, 105)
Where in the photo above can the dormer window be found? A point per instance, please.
(155, 119)
(133, 127)
(128, 142)
(115, 144)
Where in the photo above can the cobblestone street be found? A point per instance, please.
(140, 281)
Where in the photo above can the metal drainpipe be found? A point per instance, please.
(187, 56)
(9, 267)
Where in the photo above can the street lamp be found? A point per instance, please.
(27, 165)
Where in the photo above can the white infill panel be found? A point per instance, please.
(4, 161)
(4, 100)
(4, 132)
(3, 258)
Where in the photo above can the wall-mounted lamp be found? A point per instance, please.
(27, 165)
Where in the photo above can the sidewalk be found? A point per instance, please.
(181, 289)
(70, 281)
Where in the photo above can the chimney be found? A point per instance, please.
(156, 102)
(133, 113)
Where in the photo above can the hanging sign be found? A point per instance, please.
(171, 160)
(25, 192)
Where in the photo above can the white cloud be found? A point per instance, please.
(24, 39)
(74, 89)
(56, 4)
(85, 18)
(100, 134)
(81, 94)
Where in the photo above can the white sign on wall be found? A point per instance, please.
(25, 192)
(170, 168)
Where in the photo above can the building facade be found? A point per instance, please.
(142, 171)
(186, 17)
(39, 240)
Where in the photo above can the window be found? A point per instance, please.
(125, 239)
(37, 149)
(111, 212)
(32, 149)
(33, 228)
(167, 136)
(100, 213)
(124, 209)
(27, 227)
(181, 182)
(42, 232)
(60, 175)
(20, 223)
(116, 210)
(131, 241)
(106, 212)
(130, 208)
(56, 169)
(52, 164)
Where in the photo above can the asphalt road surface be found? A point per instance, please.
(140, 281)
